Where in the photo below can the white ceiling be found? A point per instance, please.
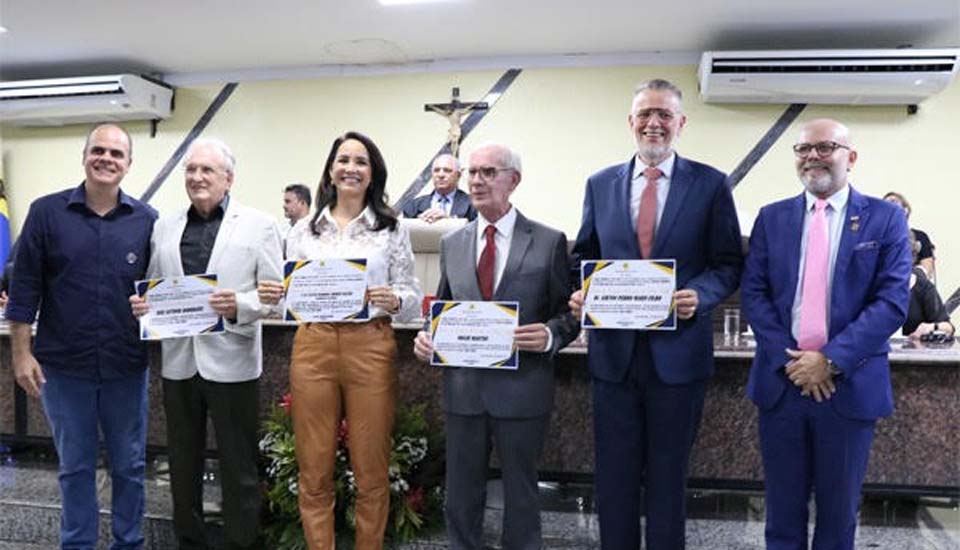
(180, 38)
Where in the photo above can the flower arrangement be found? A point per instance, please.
(415, 470)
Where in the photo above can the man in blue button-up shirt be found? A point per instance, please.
(80, 252)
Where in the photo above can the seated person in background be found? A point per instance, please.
(926, 313)
(922, 246)
(446, 201)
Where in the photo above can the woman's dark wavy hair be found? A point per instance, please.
(376, 197)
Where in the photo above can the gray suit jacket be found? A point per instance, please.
(536, 276)
(247, 250)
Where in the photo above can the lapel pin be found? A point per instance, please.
(854, 223)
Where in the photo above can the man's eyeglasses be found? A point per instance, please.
(203, 169)
(662, 114)
(486, 172)
(823, 149)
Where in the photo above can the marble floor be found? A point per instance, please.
(29, 514)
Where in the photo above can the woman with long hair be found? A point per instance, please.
(345, 369)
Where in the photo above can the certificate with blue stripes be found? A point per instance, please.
(629, 294)
(474, 334)
(325, 290)
(179, 307)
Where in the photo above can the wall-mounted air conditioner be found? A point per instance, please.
(842, 77)
(59, 101)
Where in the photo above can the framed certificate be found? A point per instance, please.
(629, 294)
(325, 290)
(474, 334)
(179, 306)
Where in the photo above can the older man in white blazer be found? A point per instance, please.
(216, 374)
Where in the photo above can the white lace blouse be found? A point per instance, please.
(388, 253)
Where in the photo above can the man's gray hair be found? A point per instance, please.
(508, 157)
(456, 161)
(658, 84)
(229, 161)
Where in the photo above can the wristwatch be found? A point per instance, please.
(832, 368)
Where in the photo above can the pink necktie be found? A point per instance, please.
(647, 213)
(816, 266)
(487, 262)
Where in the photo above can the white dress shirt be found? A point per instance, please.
(502, 238)
(639, 183)
(388, 253)
(436, 201)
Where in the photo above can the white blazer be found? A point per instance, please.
(247, 250)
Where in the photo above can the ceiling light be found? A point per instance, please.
(3, 29)
(410, 2)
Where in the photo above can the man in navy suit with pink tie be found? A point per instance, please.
(648, 386)
(825, 285)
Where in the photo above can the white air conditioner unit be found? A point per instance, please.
(839, 77)
(59, 101)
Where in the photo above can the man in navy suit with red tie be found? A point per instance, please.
(825, 285)
(648, 387)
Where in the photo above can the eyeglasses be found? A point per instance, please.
(662, 114)
(203, 169)
(486, 172)
(823, 149)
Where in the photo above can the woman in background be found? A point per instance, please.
(926, 312)
(346, 368)
(923, 247)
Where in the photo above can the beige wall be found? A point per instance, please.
(566, 123)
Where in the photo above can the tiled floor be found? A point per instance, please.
(29, 517)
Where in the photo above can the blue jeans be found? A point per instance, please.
(75, 407)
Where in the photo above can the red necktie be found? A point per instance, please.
(488, 259)
(816, 265)
(647, 214)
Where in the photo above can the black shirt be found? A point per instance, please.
(199, 235)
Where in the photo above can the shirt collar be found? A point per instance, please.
(79, 197)
(366, 216)
(219, 212)
(449, 195)
(666, 167)
(504, 225)
(836, 201)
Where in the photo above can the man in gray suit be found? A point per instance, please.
(501, 256)
(215, 374)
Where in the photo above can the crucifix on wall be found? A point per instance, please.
(453, 112)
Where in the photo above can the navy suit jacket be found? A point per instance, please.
(461, 208)
(869, 296)
(699, 229)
